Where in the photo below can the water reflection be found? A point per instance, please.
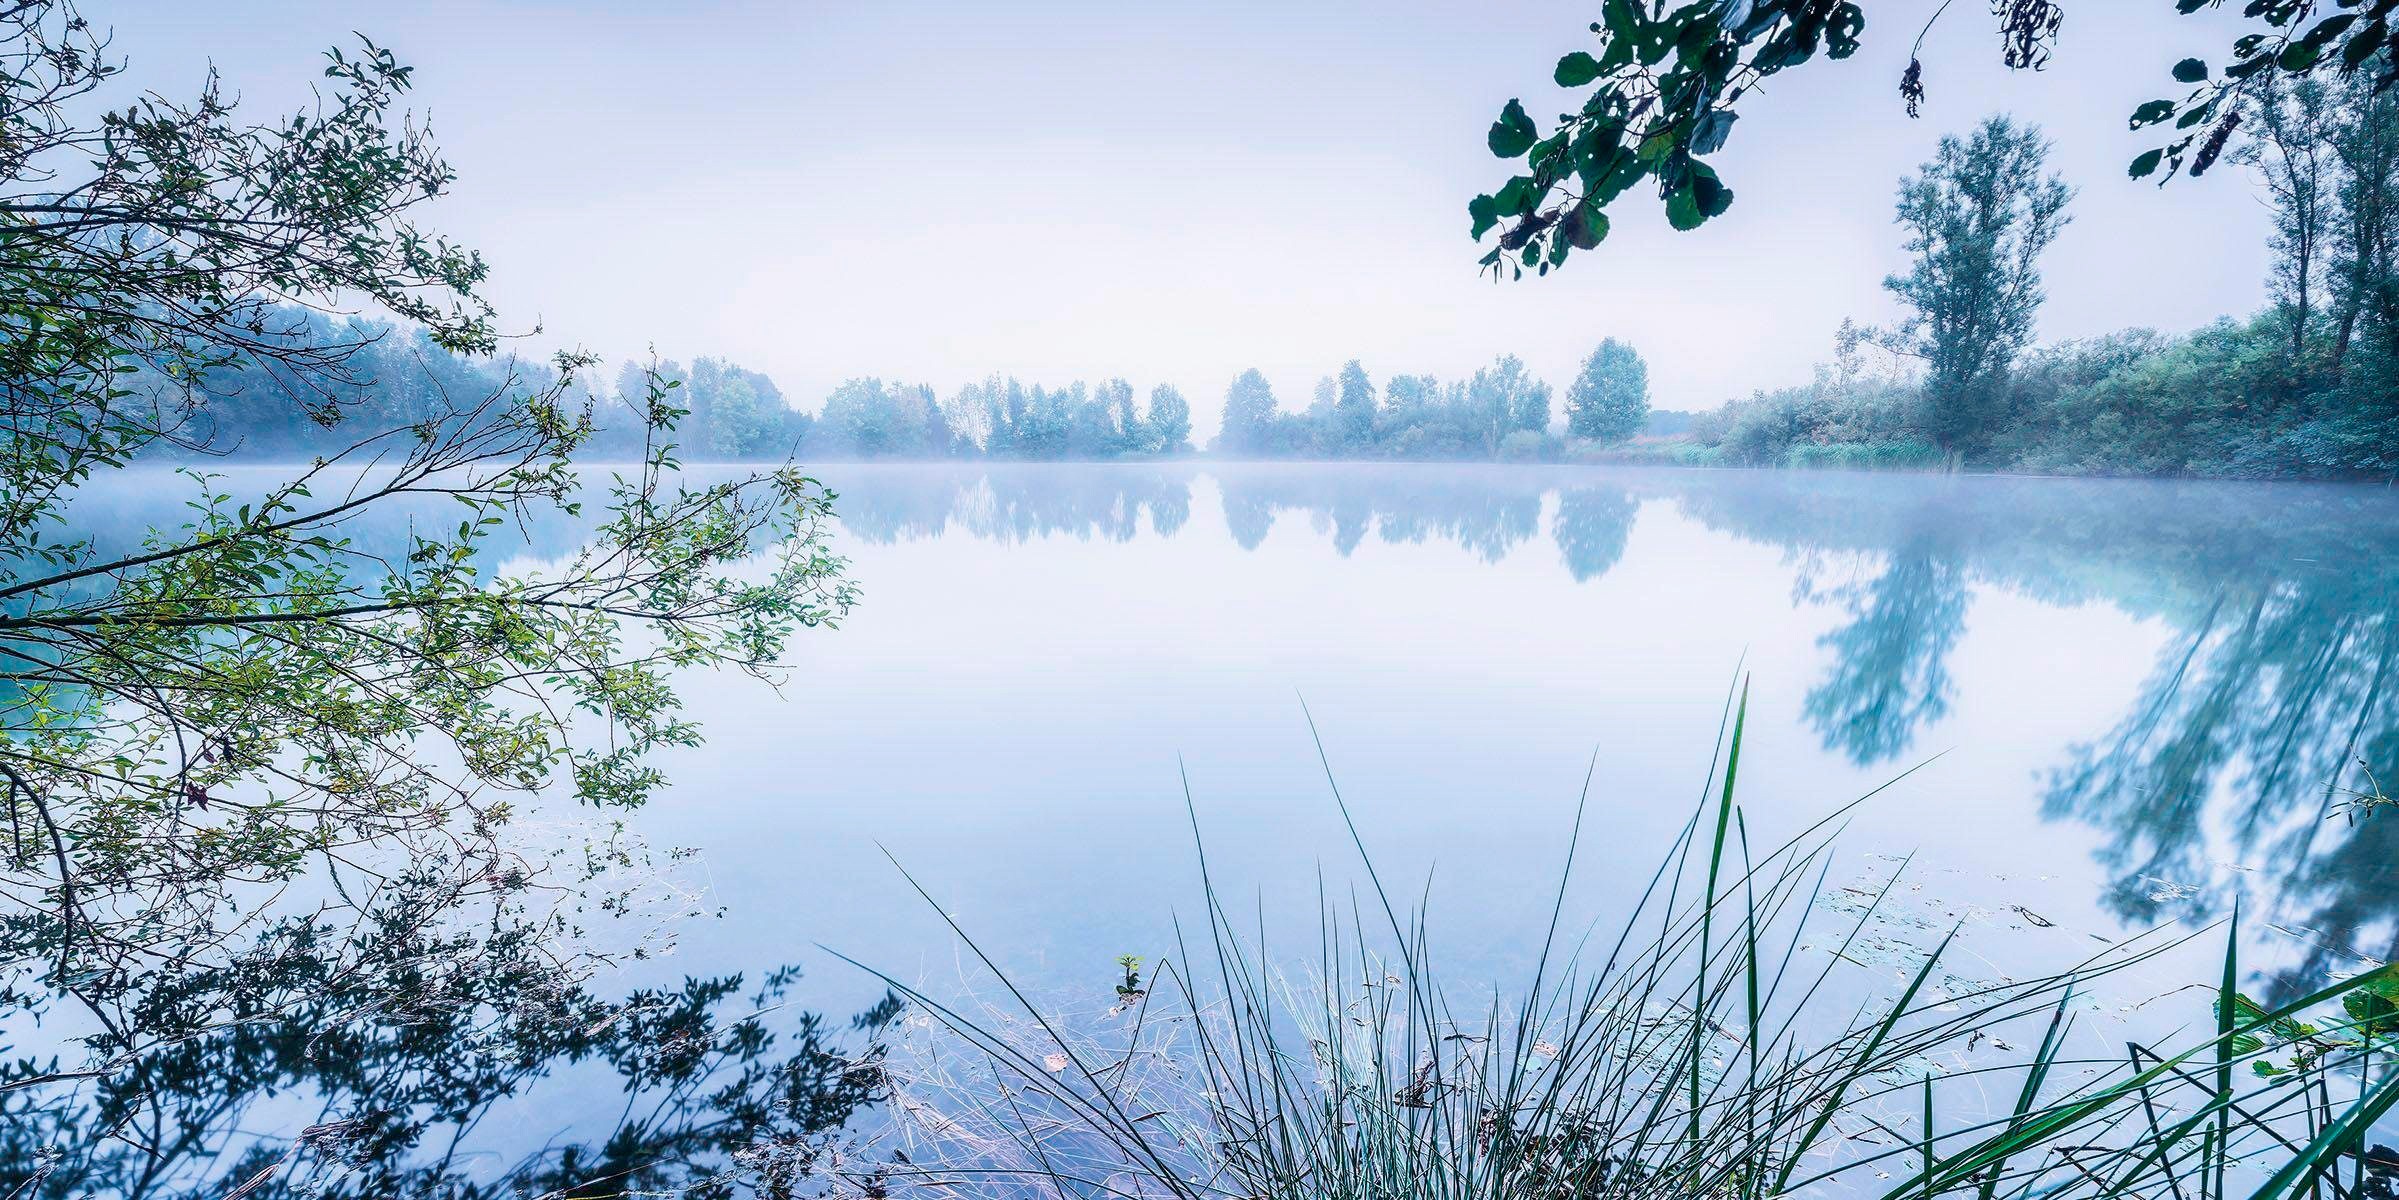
(2277, 682)
(2280, 652)
(2221, 780)
(369, 1060)
(1889, 676)
(2272, 697)
(1487, 514)
(1592, 528)
(1014, 504)
(2280, 598)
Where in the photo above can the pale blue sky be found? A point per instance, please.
(1173, 192)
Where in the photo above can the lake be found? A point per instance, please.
(2115, 704)
(2130, 702)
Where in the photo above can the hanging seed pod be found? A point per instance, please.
(1525, 230)
(1911, 87)
(2214, 145)
(2027, 31)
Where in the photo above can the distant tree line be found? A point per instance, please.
(1500, 412)
(2307, 388)
(731, 413)
(399, 378)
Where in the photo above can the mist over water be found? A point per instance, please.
(2131, 702)
(2115, 705)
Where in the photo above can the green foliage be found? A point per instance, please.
(737, 415)
(1665, 81)
(1353, 409)
(316, 685)
(1004, 418)
(870, 419)
(1501, 412)
(1978, 217)
(1169, 422)
(2308, 389)
(1251, 415)
(1609, 399)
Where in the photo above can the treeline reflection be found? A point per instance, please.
(2275, 687)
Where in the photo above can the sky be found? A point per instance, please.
(1174, 192)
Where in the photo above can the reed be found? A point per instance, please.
(1719, 1044)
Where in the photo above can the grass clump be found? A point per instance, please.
(1724, 1043)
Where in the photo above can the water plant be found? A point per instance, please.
(1730, 1041)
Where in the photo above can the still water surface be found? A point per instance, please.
(2125, 703)
(2131, 702)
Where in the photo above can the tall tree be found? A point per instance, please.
(1505, 398)
(1100, 420)
(2292, 156)
(1610, 396)
(2364, 245)
(1353, 409)
(1169, 420)
(1978, 215)
(1132, 433)
(1250, 413)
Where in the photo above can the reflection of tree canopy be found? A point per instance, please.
(1890, 670)
(1487, 512)
(1592, 526)
(307, 1068)
(2278, 683)
(1012, 504)
(2254, 718)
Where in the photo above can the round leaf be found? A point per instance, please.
(1513, 133)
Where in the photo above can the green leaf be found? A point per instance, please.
(2329, 28)
(1513, 133)
(2248, 67)
(2145, 164)
(1692, 44)
(1577, 69)
(2190, 70)
(2148, 114)
(1586, 226)
(1708, 136)
(1841, 35)
(1518, 197)
(1710, 193)
(2299, 56)
(1682, 209)
(1485, 211)
(1623, 18)
(2362, 45)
